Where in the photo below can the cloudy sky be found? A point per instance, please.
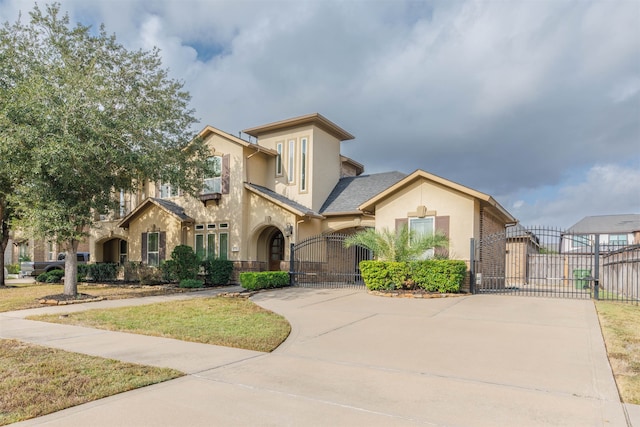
(535, 102)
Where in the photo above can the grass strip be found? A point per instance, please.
(36, 381)
(619, 323)
(231, 322)
(21, 296)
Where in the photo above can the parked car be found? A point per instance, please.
(31, 268)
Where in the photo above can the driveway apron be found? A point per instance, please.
(354, 359)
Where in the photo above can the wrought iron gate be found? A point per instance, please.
(323, 261)
(555, 263)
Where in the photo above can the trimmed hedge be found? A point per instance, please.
(264, 280)
(191, 283)
(384, 275)
(438, 275)
(53, 276)
(433, 275)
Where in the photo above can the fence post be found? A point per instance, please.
(291, 263)
(472, 268)
(596, 269)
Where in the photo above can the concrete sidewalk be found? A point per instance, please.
(354, 359)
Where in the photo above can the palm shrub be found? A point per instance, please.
(400, 246)
(393, 250)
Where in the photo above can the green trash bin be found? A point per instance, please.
(580, 278)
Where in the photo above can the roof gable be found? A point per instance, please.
(419, 174)
(282, 201)
(210, 130)
(171, 208)
(309, 119)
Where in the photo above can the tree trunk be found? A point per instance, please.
(71, 268)
(3, 245)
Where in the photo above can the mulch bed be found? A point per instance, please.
(414, 294)
(61, 299)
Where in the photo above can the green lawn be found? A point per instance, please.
(36, 381)
(231, 322)
(620, 325)
(20, 296)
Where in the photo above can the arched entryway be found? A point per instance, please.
(114, 250)
(276, 250)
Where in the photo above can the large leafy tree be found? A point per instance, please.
(400, 245)
(87, 118)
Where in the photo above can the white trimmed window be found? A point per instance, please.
(291, 165)
(213, 183)
(167, 190)
(279, 149)
(212, 240)
(303, 163)
(423, 227)
(153, 249)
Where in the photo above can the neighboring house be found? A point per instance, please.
(521, 244)
(291, 184)
(22, 248)
(613, 232)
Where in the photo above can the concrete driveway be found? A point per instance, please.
(354, 359)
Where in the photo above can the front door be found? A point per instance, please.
(276, 251)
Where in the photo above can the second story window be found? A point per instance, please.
(303, 164)
(167, 190)
(279, 148)
(292, 160)
(213, 183)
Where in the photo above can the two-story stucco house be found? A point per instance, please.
(611, 231)
(289, 184)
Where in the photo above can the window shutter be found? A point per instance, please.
(224, 180)
(144, 248)
(162, 246)
(401, 222)
(442, 226)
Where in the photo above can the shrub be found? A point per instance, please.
(148, 275)
(13, 268)
(184, 263)
(438, 275)
(168, 271)
(191, 283)
(102, 272)
(384, 275)
(53, 276)
(217, 271)
(83, 272)
(130, 272)
(264, 280)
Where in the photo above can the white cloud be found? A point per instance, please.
(604, 190)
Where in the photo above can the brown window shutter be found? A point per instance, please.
(162, 246)
(224, 181)
(442, 225)
(401, 222)
(144, 248)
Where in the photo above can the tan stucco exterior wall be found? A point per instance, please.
(153, 219)
(439, 201)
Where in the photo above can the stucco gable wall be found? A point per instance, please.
(439, 201)
(153, 219)
(262, 214)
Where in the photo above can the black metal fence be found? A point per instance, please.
(323, 261)
(556, 263)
